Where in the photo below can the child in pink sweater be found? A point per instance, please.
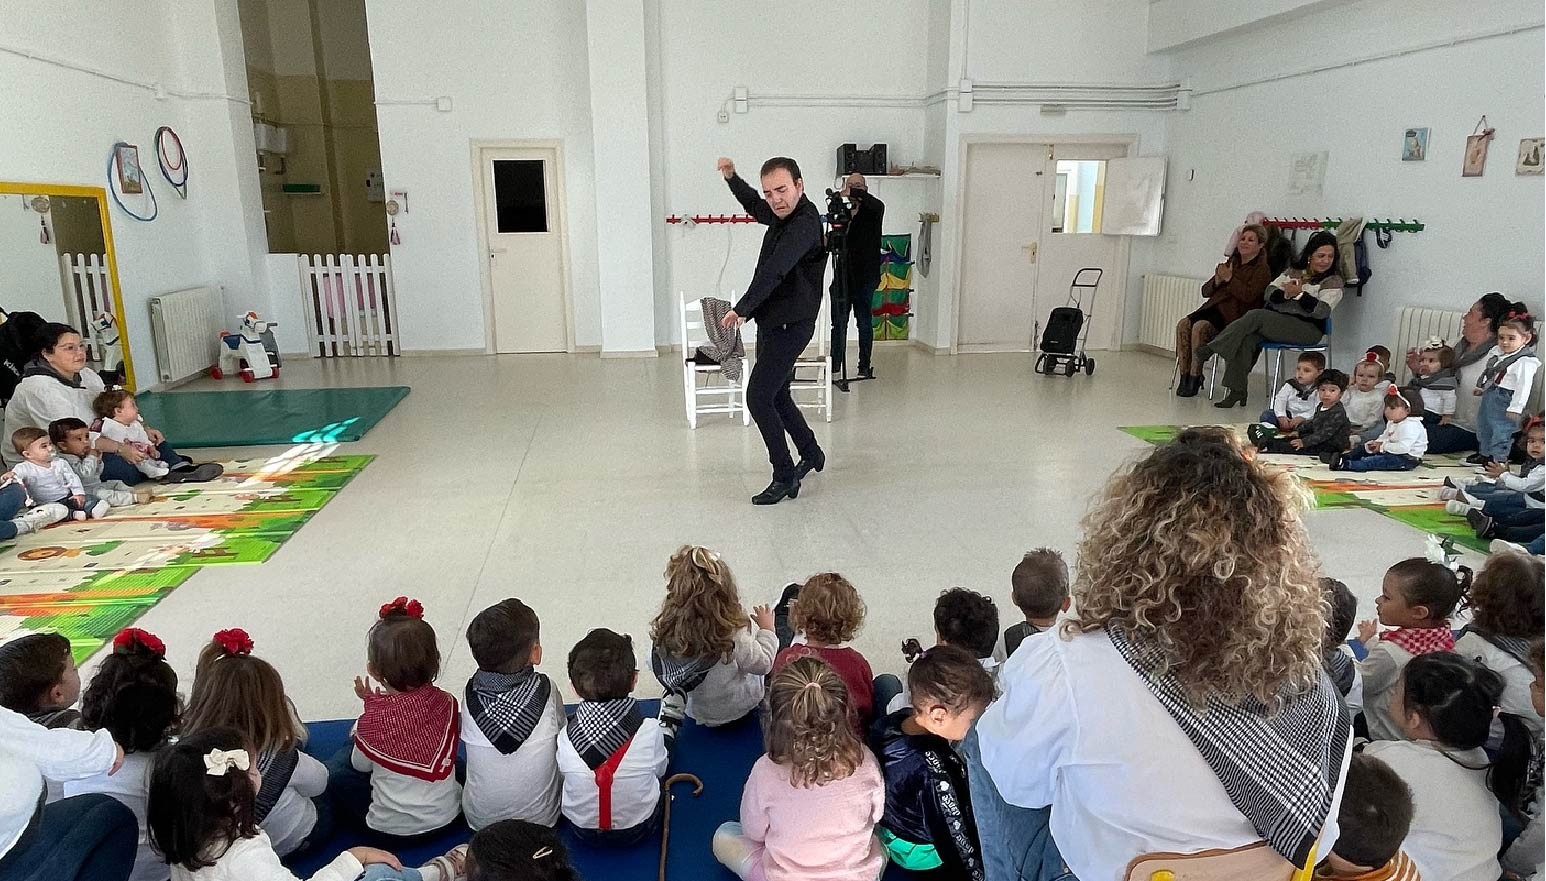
(810, 806)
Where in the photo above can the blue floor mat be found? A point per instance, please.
(721, 757)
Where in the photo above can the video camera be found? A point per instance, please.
(839, 214)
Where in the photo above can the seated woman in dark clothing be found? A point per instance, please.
(1238, 285)
(1299, 302)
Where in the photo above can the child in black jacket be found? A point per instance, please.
(1324, 434)
(928, 826)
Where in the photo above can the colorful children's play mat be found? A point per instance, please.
(89, 579)
(1411, 497)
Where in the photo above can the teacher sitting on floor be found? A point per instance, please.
(1237, 286)
(1299, 302)
(57, 384)
(1182, 709)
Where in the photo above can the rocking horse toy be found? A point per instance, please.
(250, 352)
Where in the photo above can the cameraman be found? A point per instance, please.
(859, 260)
(784, 298)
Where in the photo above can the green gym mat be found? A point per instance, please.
(270, 416)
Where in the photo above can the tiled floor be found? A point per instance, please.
(568, 480)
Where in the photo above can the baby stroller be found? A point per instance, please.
(1062, 343)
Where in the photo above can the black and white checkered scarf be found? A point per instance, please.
(600, 728)
(1280, 769)
(277, 768)
(507, 706)
(680, 674)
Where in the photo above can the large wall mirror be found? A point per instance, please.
(56, 259)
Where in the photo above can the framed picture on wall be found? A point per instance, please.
(1414, 145)
(126, 158)
(1476, 149)
(1530, 159)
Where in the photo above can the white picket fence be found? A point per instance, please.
(87, 293)
(350, 304)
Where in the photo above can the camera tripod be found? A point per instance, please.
(838, 217)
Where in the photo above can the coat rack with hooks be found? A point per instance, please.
(711, 218)
(1399, 225)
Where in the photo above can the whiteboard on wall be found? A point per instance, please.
(1134, 197)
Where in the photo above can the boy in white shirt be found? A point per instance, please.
(1399, 447)
(511, 717)
(50, 480)
(1296, 400)
(611, 756)
(120, 421)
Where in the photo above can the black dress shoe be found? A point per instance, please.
(1478, 459)
(1233, 399)
(806, 466)
(777, 492)
(1189, 386)
(866, 372)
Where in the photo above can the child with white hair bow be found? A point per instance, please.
(200, 814)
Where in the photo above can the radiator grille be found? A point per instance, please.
(186, 327)
(1166, 300)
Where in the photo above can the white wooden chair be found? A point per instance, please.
(701, 391)
(813, 369)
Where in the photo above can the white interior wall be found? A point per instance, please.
(1482, 233)
(856, 53)
(57, 125)
(516, 70)
(29, 268)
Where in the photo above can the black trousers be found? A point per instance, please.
(860, 307)
(768, 398)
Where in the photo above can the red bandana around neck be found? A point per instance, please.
(411, 732)
(1422, 640)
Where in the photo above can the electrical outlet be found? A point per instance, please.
(723, 117)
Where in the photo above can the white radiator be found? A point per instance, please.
(186, 326)
(1415, 327)
(1166, 300)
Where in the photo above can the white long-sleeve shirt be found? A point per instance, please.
(1365, 409)
(1288, 403)
(132, 433)
(1456, 828)
(1517, 378)
(130, 787)
(523, 785)
(48, 483)
(1440, 401)
(294, 813)
(734, 687)
(1404, 438)
(635, 788)
(254, 859)
(28, 753)
(404, 805)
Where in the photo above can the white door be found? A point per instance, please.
(1071, 240)
(1004, 191)
(525, 255)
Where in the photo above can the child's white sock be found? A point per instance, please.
(98, 509)
(77, 515)
(153, 468)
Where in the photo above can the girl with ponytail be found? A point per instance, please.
(133, 696)
(707, 650)
(1445, 704)
(233, 688)
(810, 806)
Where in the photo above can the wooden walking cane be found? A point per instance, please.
(665, 834)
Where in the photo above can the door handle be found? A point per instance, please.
(493, 252)
(1030, 251)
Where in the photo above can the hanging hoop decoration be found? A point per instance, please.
(124, 172)
(173, 159)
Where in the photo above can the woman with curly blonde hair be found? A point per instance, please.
(1183, 707)
(704, 648)
(811, 803)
